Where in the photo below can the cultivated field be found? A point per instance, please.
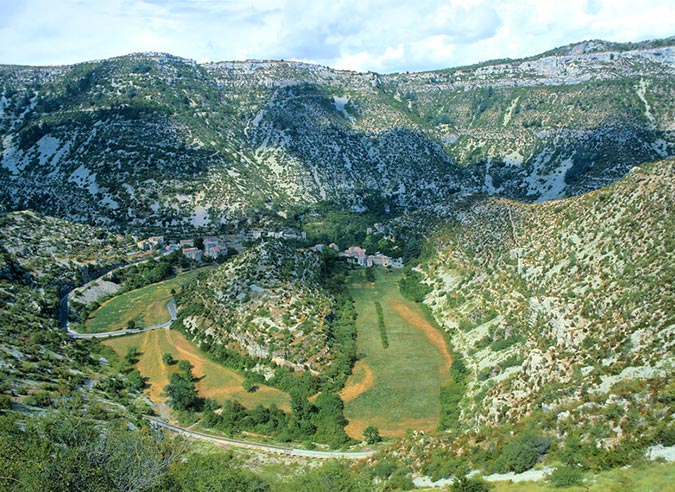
(145, 306)
(396, 388)
(214, 380)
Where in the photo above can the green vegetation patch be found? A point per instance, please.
(404, 379)
(143, 307)
(643, 478)
(381, 325)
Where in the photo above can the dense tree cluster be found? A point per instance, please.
(181, 389)
(150, 272)
(65, 452)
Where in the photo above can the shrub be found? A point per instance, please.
(384, 469)
(465, 484)
(371, 434)
(400, 480)
(168, 359)
(522, 453)
(5, 402)
(41, 399)
(567, 476)
(667, 437)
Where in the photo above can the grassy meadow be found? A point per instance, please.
(214, 380)
(395, 388)
(145, 306)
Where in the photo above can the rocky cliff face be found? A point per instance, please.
(149, 141)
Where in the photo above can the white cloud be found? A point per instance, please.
(378, 35)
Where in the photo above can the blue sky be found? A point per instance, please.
(378, 35)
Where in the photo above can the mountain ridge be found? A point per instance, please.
(240, 139)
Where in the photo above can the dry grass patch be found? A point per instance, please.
(360, 381)
(214, 381)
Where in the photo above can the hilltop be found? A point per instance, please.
(267, 303)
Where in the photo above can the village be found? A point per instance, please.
(216, 247)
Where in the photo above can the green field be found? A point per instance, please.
(145, 306)
(395, 388)
(214, 380)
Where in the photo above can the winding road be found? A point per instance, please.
(171, 306)
(266, 448)
(65, 323)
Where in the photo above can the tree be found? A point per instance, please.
(185, 367)
(135, 381)
(182, 393)
(168, 359)
(330, 420)
(131, 324)
(372, 434)
(132, 355)
(249, 385)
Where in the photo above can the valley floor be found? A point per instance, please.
(145, 306)
(395, 388)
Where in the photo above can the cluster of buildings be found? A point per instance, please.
(213, 247)
(358, 256)
(285, 234)
(153, 242)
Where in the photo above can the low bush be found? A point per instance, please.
(523, 452)
(465, 484)
(567, 476)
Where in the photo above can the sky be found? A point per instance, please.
(383, 36)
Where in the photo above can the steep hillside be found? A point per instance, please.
(266, 303)
(149, 141)
(41, 258)
(564, 310)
